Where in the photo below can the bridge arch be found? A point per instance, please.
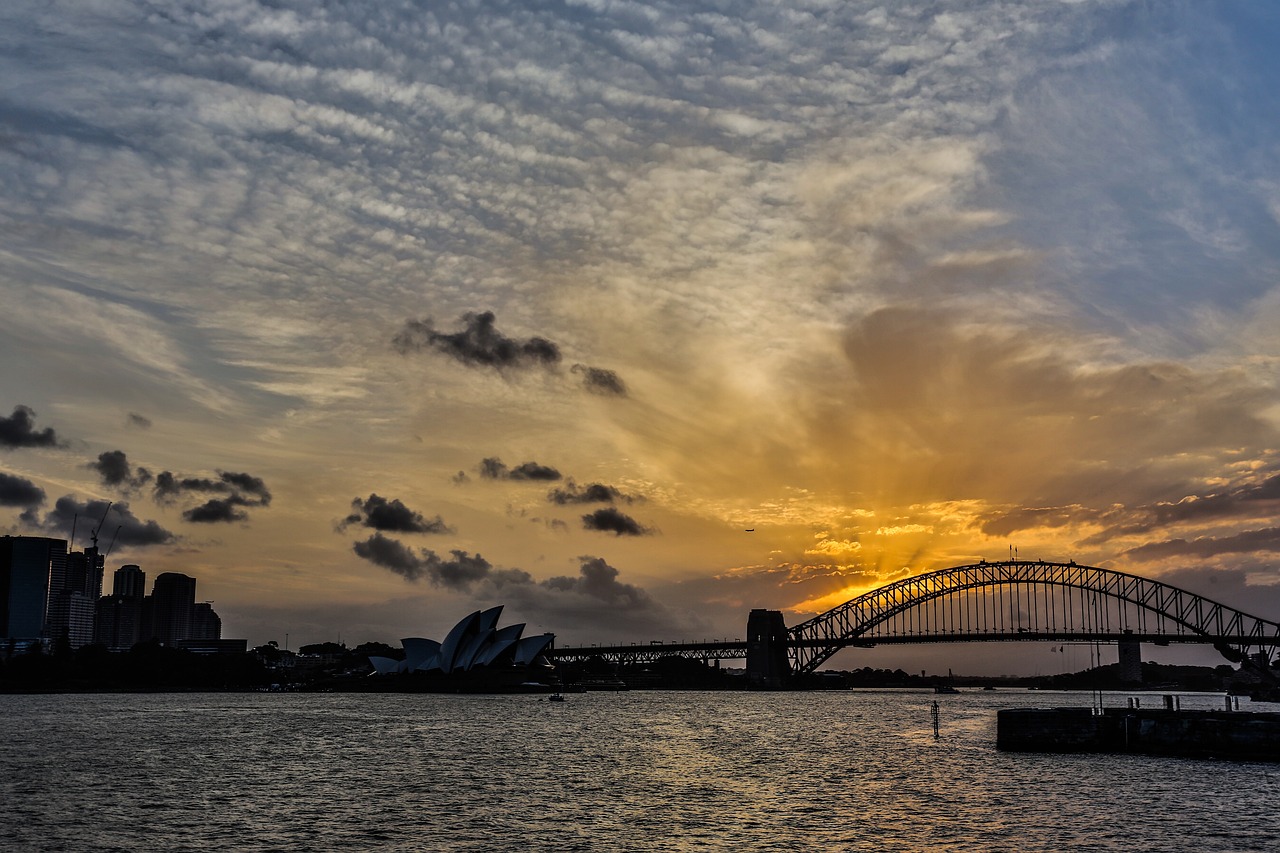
(1028, 600)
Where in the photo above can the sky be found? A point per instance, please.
(633, 317)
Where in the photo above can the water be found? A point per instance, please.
(846, 770)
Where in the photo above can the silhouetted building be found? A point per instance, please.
(475, 654)
(74, 589)
(26, 565)
(205, 624)
(129, 581)
(118, 624)
(167, 613)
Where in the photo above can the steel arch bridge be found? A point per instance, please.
(1014, 600)
(1029, 600)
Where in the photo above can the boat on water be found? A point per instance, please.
(945, 688)
(555, 697)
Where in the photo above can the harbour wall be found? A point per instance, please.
(1206, 734)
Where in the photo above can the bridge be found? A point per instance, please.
(1007, 601)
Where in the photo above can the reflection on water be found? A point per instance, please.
(847, 770)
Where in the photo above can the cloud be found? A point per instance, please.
(18, 491)
(492, 468)
(69, 512)
(1247, 542)
(600, 381)
(1254, 497)
(137, 421)
(588, 494)
(610, 520)
(218, 510)
(247, 484)
(114, 469)
(460, 572)
(378, 513)
(18, 430)
(479, 344)
(241, 491)
(250, 490)
(599, 580)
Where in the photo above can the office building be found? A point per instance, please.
(26, 565)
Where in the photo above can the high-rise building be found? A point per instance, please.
(205, 624)
(118, 624)
(129, 581)
(73, 598)
(26, 565)
(168, 611)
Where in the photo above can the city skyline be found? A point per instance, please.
(636, 318)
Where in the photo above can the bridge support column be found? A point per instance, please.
(767, 665)
(1130, 660)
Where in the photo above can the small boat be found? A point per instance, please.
(555, 697)
(945, 688)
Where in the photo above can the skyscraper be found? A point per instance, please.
(73, 598)
(119, 615)
(129, 582)
(170, 607)
(26, 565)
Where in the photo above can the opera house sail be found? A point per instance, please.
(476, 655)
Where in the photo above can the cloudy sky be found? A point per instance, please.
(369, 315)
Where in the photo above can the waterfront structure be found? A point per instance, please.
(26, 565)
(477, 653)
(1014, 600)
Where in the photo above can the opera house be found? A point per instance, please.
(476, 655)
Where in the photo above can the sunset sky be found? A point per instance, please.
(368, 315)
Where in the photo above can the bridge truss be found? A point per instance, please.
(1028, 600)
(1015, 600)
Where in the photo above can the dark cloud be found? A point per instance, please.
(247, 484)
(115, 470)
(391, 555)
(248, 489)
(493, 468)
(592, 493)
(19, 491)
(378, 513)
(459, 572)
(598, 380)
(138, 421)
(240, 491)
(610, 520)
(218, 510)
(460, 478)
(599, 580)
(170, 486)
(69, 512)
(478, 344)
(1250, 498)
(18, 430)
(1248, 542)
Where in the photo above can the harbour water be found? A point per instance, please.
(840, 770)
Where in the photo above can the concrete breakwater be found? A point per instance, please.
(1207, 734)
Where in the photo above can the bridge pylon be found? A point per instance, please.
(768, 665)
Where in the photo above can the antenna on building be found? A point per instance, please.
(74, 519)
